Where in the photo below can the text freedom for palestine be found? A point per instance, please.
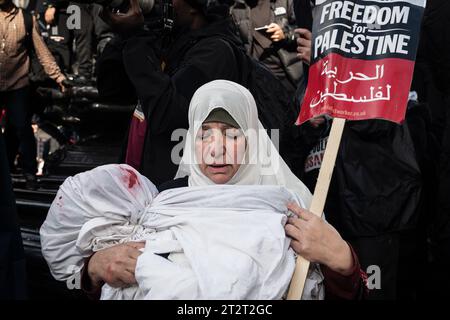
(368, 14)
(361, 38)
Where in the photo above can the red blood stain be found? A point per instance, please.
(132, 178)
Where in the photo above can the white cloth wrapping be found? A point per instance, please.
(224, 242)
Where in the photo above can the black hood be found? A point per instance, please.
(218, 26)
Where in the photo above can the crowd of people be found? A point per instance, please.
(217, 69)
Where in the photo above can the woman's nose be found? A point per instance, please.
(217, 146)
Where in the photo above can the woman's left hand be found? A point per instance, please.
(317, 241)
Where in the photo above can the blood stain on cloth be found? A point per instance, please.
(130, 177)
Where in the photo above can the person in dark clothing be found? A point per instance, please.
(303, 13)
(12, 257)
(84, 37)
(163, 82)
(375, 193)
(53, 26)
(103, 33)
(415, 242)
(274, 47)
(61, 36)
(435, 45)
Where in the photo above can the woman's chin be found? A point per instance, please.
(219, 178)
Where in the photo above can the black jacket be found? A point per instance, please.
(435, 42)
(376, 184)
(435, 51)
(285, 50)
(132, 68)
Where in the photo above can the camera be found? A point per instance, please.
(122, 5)
(158, 14)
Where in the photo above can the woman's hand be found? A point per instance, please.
(115, 265)
(317, 241)
(277, 32)
(304, 45)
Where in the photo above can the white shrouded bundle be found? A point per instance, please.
(222, 241)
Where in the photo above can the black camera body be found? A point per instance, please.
(122, 5)
(158, 14)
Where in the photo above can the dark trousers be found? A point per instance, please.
(83, 42)
(18, 132)
(12, 259)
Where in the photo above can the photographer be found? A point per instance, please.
(267, 30)
(163, 81)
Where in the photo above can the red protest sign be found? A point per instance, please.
(362, 63)
(361, 68)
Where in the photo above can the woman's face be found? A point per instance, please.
(219, 150)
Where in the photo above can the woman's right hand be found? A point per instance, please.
(115, 266)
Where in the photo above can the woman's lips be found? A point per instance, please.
(218, 168)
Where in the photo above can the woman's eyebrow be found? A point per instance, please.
(223, 127)
(227, 126)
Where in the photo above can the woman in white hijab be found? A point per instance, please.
(224, 107)
(226, 144)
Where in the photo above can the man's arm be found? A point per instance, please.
(45, 57)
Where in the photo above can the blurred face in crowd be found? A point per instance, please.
(219, 150)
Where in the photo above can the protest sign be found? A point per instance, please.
(362, 62)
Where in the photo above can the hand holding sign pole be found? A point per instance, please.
(318, 202)
(362, 61)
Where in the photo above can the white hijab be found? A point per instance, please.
(264, 164)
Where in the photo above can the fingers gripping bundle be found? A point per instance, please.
(222, 241)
